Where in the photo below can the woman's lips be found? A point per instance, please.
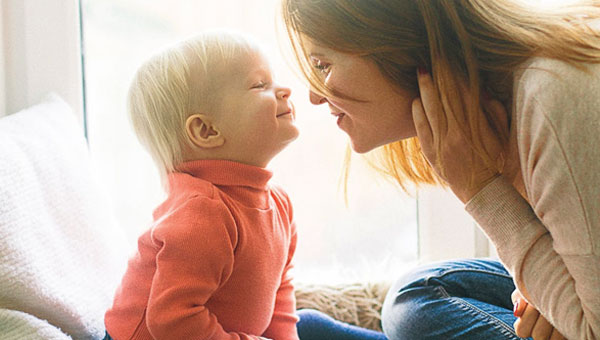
(339, 118)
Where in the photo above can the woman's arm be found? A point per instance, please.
(551, 243)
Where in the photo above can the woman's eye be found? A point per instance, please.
(322, 67)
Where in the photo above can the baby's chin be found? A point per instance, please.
(289, 141)
(284, 144)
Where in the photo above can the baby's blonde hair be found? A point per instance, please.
(175, 83)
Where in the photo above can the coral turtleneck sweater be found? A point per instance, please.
(215, 263)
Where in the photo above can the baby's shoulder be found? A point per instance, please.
(280, 194)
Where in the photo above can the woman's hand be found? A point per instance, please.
(530, 322)
(457, 160)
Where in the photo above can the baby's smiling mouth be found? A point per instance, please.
(291, 112)
(284, 114)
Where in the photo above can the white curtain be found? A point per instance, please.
(39, 53)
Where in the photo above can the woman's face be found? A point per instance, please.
(384, 112)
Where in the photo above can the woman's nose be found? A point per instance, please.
(316, 99)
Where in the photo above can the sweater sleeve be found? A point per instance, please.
(283, 323)
(196, 243)
(550, 244)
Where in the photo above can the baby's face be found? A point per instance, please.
(255, 116)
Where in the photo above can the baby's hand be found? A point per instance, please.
(530, 322)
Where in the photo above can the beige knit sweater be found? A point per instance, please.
(550, 242)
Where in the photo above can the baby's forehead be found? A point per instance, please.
(241, 67)
(212, 80)
(241, 61)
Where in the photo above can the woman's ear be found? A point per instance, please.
(202, 132)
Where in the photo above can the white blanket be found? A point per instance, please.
(61, 253)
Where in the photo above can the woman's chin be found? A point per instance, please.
(366, 147)
(360, 148)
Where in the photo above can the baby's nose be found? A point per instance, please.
(284, 92)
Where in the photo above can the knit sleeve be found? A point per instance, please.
(551, 242)
(197, 243)
(283, 323)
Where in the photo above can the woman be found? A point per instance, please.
(499, 102)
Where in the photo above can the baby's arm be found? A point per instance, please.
(283, 323)
(195, 258)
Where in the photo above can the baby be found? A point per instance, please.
(215, 263)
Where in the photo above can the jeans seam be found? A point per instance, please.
(503, 327)
(451, 271)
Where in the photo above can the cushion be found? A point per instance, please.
(61, 251)
(357, 303)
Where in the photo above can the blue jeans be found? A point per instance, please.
(464, 299)
(314, 325)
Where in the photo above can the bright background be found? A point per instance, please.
(370, 238)
(376, 236)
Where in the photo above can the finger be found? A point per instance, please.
(517, 327)
(424, 132)
(524, 325)
(519, 307)
(556, 335)
(542, 330)
(431, 102)
(516, 295)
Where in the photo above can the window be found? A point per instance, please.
(373, 237)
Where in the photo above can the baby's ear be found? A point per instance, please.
(202, 132)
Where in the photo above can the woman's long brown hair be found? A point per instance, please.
(477, 43)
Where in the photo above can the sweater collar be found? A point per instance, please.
(227, 173)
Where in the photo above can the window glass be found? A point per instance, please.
(371, 237)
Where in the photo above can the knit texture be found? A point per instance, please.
(548, 235)
(216, 262)
(60, 250)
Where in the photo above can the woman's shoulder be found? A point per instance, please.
(555, 76)
(557, 89)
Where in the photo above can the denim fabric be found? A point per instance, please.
(463, 299)
(314, 325)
